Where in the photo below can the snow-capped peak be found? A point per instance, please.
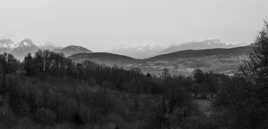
(26, 43)
(7, 43)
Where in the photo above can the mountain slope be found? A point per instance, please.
(24, 47)
(221, 60)
(140, 52)
(103, 58)
(206, 44)
(151, 48)
(72, 50)
(6, 45)
(204, 52)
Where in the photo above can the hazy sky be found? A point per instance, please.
(104, 24)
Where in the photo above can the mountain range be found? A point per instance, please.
(72, 50)
(198, 55)
(220, 60)
(149, 49)
(22, 48)
(198, 45)
(19, 49)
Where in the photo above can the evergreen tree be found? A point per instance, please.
(27, 65)
(8, 64)
(257, 65)
(245, 99)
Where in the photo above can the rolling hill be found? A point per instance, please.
(222, 60)
(72, 50)
(237, 51)
(198, 45)
(108, 59)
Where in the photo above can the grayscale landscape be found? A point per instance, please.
(133, 64)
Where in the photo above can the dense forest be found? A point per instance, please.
(49, 91)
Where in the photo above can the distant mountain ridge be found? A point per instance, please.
(72, 50)
(22, 48)
(103, 58)
(140, 52)
(19, 49)
(151, 48)
(204, 52)
(198, 45)
(6, 45)
(221, 60)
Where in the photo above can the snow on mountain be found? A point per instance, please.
(135, 49)
(23, 48)
(152, 48)
(72, 50)
(145, 49)
(26, 43)
(206, 44)
(6, 45)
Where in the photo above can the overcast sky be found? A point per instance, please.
(104, 24)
